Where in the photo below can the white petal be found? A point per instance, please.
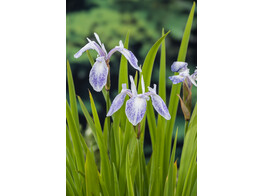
(88, 46)
(127, 53)
(177, 79)
(133, 86)
(159, 104)
(98, 40)
(135, 110)
(178, 66)
(118, 101)
(143, 84)
(98, 74)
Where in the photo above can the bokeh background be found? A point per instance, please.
(111, 20)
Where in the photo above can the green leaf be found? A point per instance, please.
(169, 185)
(91, 175)
(188, 156)
(105, 164)
(173, 101)
(130, 187)
(75, 134)
(72, 96)
(89, 119)
(162, 71)
(90, 58)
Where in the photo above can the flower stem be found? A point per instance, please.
(186, 127)
(108, 83)
(138, 130)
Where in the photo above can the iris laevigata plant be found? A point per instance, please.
(183, 74)
(136, 105)
(100, 70)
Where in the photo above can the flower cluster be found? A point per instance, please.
(183, 74)
(99, 72)
(136, 105)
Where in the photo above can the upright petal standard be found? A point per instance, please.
(136, 105)
(183, 74)
(99, 72)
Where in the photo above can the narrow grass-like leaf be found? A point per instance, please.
(130, 187)
(88, 118)
(116, 184)
(91, 175)
(173, 101)
(72, 96)
(169, 185)
(90, 58)
(105, 165)
(75, 134)
(188, 152)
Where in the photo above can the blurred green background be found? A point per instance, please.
(111, 20)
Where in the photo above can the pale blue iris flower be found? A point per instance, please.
(99, 71)
(136, 105)
(181, 68)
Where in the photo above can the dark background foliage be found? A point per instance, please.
(111, 20)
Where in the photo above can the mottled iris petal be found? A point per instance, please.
(118, 101)
(190, 81)
(177, 79)
(178, 66)
(88, 46)
(158, 103)
(98, 74)
(127, 53)
(135, 109)
(133, 86)
(194, 75)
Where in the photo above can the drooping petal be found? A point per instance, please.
(118, 101)
(135, 109)
(194, 75)
(190, 81)
(88, 46)
(133, 86)
(158, 103)
(178, 66)
(177, 79)
(98, 74)
(127, 53)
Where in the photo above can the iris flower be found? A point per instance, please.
(99, 72)
(181, 68)
(136, 105)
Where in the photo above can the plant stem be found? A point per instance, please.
(186, 126)
(138, 130)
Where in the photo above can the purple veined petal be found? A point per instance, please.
(98, 74)
(158, 103)
(133, 86)
(135, 109)
(118, 101)
(82, 50)
(96, 47)
(177, 79)
(127, 53)
(178, 66)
